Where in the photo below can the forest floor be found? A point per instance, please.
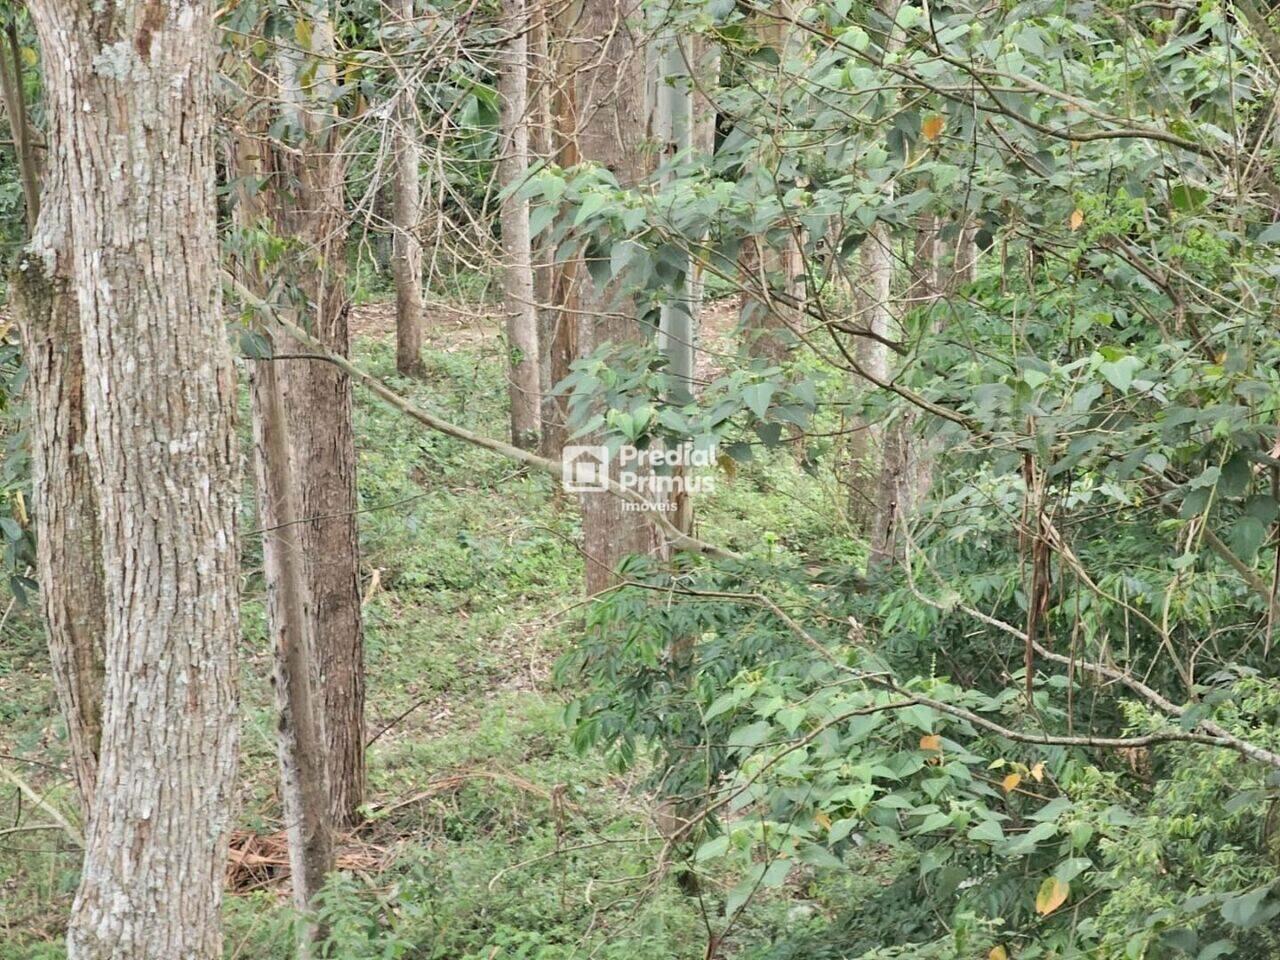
(488, 835)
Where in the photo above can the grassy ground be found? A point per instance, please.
(488, 837)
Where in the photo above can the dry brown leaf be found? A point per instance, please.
(931, 128)
(931, 742)
(1077, 218)
(1037, 772)
(1010, 783)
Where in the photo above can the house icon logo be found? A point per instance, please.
(585, 469)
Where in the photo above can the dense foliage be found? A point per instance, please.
(1098, 406)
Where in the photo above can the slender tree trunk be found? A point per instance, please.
(521, 302)
(888, 450)
(673, 127)
(16, 107)
(705, 67)
(133, 94)
(772, 270)
(406, 256)
(558, 324)
(609, 93)
(878, 466)
(300, 736)
(300, 731)
(65, 499)
(541, 76)
(310, 201)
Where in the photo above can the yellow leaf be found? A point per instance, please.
(1038, 772)
(1077, 218)
(931, 127)
(29, 56)
(998, 953)
(1053, 893)
(302, 33)
(822, 820)
(931, 742)
(1010, 783)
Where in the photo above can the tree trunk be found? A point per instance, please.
(521, 305)
(541, 85)
(406, 256)
(881, 453)
(773, 271)
(609, 93)
(300, 738)
(65, 499)
(15, 106)
(133, 94)
(308, 193)
(300, 731)
(673, 127)
(557, 321)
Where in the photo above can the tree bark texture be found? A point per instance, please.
(517, 248)
(132, 87)
(611, 110)
(64, 497)
(308, 196)
(15, 106)
(406, 249)
(301, 743)
(879, 465)
(300, 730)
(556, 283)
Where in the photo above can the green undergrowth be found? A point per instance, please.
(488, 837)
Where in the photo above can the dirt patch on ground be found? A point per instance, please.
(717, 321)
(453, 326)
(448, 326)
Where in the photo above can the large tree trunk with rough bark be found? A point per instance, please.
(65, 499)
(609, 96)
(517, 248)
(132, 88)
(406, 248)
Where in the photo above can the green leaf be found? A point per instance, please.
(722, 704)
(817, 856)
(934, 821)
(757, 397)
(592, 204)
(841, 829)
(776, 874)
(540, 218)
(715, 847)
(1119, 373)
(752, 735)
(987, 831)
(1246, 909)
